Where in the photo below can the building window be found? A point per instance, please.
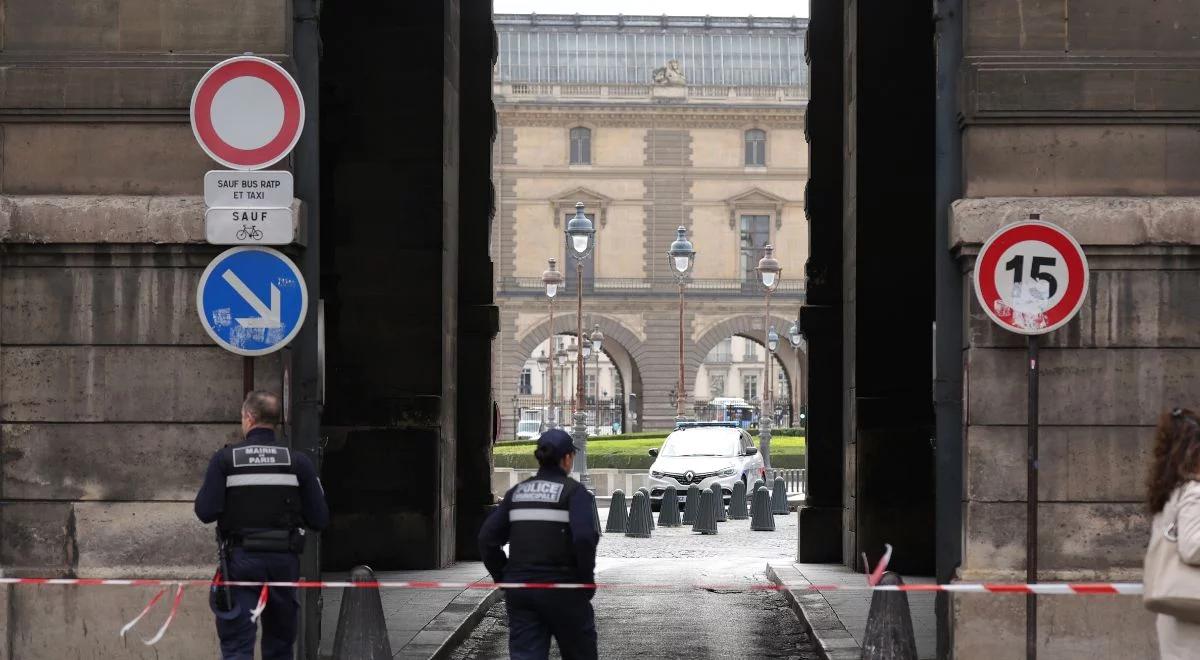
(781, 384)
(748, 352)
(756, 148)
(526, 384)
(755, 234)
(589, 385)
(581, 146)
(750, 387)
(716, 385)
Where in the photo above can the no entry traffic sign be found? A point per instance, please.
(247, 112)
(1031, 277)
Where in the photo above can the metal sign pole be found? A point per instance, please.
(1031, 503)
(247, 375)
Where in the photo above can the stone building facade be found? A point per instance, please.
(112, 398)
(652, 123)
(1086, 113)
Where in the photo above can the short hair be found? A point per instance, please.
(262, 406)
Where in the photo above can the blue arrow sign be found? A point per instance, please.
(252, 300)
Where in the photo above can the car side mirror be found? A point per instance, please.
(653, 452)
(750, 451)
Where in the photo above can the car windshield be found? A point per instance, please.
(696, 444)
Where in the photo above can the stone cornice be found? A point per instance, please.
(640, 173)
(641, 116)
(110, 219)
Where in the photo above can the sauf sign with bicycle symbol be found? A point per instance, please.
(1031, 277)
(247, 113)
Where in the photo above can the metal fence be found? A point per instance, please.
(793, 477)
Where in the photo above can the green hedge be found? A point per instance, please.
(625, 453)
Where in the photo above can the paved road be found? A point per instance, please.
(726, 620)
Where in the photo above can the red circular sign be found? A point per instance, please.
(247, 113)
(1031, 277)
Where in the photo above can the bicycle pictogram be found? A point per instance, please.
(249, 231)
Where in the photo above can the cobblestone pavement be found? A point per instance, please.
(726, 621)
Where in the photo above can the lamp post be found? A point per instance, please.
(581, 241)
(597, 341)
(516, 415)
(681, 257)
(796, 339)
(552, 279)
(768, 276)
(585, 352)
(560, 358)
(543, 365)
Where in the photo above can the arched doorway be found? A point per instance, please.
(616, 389)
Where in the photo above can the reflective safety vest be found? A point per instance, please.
(540, 547)
(261, 489)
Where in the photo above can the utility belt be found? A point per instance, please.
(269, 540)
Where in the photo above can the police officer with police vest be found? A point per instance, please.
(261, 495)
(550, 526)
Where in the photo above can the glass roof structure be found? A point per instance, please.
(576, 49)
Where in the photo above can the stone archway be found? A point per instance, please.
(750, 326)
(622, 346)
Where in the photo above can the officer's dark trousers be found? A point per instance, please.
(536, 614)
(279, 619)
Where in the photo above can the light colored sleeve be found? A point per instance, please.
(1189, 523)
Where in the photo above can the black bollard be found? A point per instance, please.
(718, 502)
(737, 501)
(691, 504)
(639, 517)
(889, 634)
(649, 507)
(758, 483)
(779, 503)
(668, 514)
(618, 517)
(706, 514)
(361, 630)
(761, 519)
(595, 514)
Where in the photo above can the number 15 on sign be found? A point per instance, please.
(1031, 277)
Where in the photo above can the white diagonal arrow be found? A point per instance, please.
(268, 318)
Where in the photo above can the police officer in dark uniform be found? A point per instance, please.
(261, 495)
(550, 526)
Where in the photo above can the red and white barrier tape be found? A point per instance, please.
(1047, 589)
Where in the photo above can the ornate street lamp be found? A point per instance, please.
(795, 336)
(581, 241)
(796, 339)
(597, 341)
(769, 273)
(552, 279)
(681, 257)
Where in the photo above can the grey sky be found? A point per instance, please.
(782, 8)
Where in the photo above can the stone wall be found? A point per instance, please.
(1133, 351)
(1083, 121)
(111, 396)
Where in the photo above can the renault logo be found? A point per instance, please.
(689, 476)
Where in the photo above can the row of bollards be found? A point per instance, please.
(702, 509)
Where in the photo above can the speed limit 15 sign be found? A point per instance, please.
(1031, 277)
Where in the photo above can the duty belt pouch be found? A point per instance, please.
(268, 540)
(297, 539)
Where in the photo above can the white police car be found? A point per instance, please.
(704, 453)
